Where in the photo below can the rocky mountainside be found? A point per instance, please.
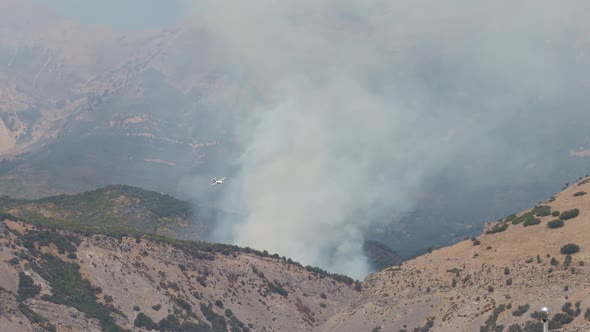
(139, 108)
(494, 282)
(62, 281)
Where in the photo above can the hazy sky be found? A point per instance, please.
(120, 14)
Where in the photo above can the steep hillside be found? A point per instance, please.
(116, 206)
(501, 278)
(124, 209)
(62, 281)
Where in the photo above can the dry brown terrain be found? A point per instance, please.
(150, 277)
(452, 284)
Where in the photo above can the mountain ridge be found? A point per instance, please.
(495, 281)
(480, 283)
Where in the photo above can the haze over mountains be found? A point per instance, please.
(407, 123)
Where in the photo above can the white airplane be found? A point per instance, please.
(215, 181)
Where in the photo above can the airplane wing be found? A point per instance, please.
(223, 178)
(214, 179)
(212, 184)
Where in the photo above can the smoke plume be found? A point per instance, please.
(364, 101)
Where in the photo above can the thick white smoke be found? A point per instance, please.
(364, 99)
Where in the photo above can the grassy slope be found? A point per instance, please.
(120, 211)
(116, 206)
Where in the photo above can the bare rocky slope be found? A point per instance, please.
(60, 281)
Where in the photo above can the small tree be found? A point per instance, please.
(555, 223)
(569, 249)
(142, 320)
(569, 214)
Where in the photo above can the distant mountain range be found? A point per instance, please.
(83, 107)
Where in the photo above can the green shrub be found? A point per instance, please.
(538, 315)
(568, 261)
(520, 310)
(514, 328)
(524, 218)
(185, 305)
(555, 214)
(565, 215)
(357, 286)
(567, 308)
(218, 322)
(194, 327)
(498, 228)
(555, 223)
(26, 287)
(142, 320)
(580, 193)
(45, 238)
(276, 287)
(559, 320)
(569, 249)
(476, 243)
(170, 323)
(542, 210)
(511, 217)
(69, 288)
(531, 222)
(35, 318)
